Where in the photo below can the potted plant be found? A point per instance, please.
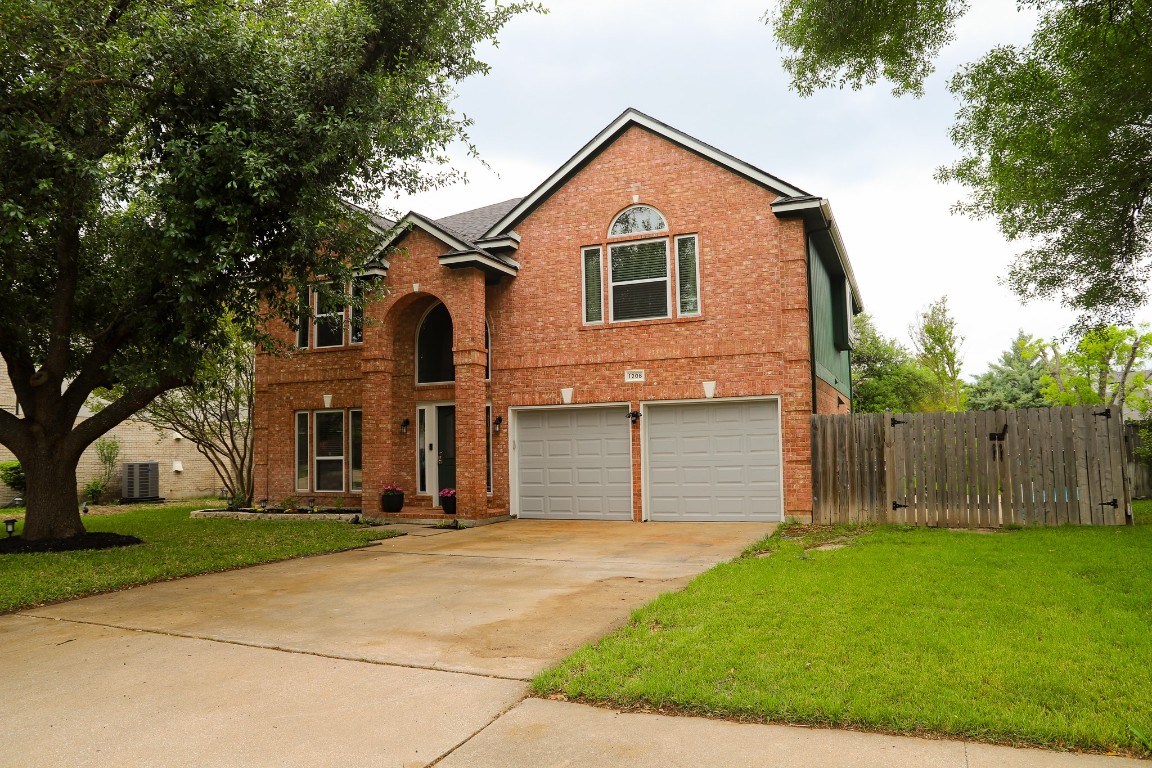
(448, 500)
(392, 498)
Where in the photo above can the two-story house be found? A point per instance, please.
(643, 337)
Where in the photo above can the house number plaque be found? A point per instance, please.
(633, 376)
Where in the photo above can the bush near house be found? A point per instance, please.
(1038, 636)
(12, 475)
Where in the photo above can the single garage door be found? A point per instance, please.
(714, 461)
(574, 463)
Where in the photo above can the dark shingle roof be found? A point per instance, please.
(471, 225)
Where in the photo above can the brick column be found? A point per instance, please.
(469, 356)
(380, 431)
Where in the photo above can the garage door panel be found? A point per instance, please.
(619, 446)
(584, 469)
(714, 461)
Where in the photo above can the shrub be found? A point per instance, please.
(12, 475)
(95, 490)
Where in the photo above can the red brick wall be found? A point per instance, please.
(751, 338)
(830, 400)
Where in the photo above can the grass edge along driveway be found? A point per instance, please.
(174, 545)
(1037, 637)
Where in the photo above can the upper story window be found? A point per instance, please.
(649, 278)
(334, 321)
(639, 219)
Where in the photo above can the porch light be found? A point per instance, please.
(10, 526)
(404, 426)
(634, 416)
(496, 424)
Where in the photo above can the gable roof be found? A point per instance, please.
(471, 225)
(628, 119)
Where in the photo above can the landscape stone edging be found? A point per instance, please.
(224, 514)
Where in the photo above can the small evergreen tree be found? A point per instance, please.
(1014, 382)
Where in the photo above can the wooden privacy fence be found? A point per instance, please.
(981, 469)
(1139, 473)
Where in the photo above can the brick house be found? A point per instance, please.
(643, 337)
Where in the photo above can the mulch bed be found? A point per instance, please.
(95, 540)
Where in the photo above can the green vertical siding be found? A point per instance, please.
(829, 324)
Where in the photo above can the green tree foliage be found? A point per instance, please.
(1056, 134)
(884, 375)
(937, 343)
(1106, 366)
(163, 165)
(214, 412)
(12, 475)
(1014, 382)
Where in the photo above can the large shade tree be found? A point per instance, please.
(885, 376)
(163, 165)
(1056, 134)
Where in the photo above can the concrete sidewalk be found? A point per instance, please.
(552, 733)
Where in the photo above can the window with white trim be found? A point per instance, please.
(639, 219)
(638, 280)
(303, 476)
(687, 276)
(329, 450)
(355, 450)
(329, 319)
(593, 286)
(653, 278)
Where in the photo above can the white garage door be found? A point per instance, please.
(574, 463)
(714, 461)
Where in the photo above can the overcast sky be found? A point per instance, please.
(713, 71)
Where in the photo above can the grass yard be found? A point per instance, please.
(173, 545)
(1038, 636)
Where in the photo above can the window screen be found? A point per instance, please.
(302, 451)
(686, 276)
(593, 298)
(330, 450)
(639, 274)
(329, 320)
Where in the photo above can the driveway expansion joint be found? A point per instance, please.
(279, 649)
(556, 559)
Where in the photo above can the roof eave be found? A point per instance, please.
(818, 217)
(626, 120)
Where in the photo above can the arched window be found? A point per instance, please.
(638, 220)
(434, 347)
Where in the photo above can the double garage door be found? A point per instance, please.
(704, 461)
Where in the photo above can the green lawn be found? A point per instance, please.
(174, 545)
(1037, 636)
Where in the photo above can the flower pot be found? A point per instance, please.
(392, 502)
(448, 503)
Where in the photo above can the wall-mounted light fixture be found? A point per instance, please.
(634, 416)
(496, 423)
(10, 526)
(404, 426)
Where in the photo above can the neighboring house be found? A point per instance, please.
(184, 473)
(643, 337)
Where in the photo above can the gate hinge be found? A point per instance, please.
(897, 505)
(1115, 504)
(1106, 413)
(896, 421)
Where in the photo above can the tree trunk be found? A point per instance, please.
(51, 497)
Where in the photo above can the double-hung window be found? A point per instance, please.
(329, 319)
(639, 280)
(652, 277)
(329, 458)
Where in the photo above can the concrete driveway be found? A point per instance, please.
(390, 655)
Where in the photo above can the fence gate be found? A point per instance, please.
(977, 469)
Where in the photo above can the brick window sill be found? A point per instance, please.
(641, 323)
